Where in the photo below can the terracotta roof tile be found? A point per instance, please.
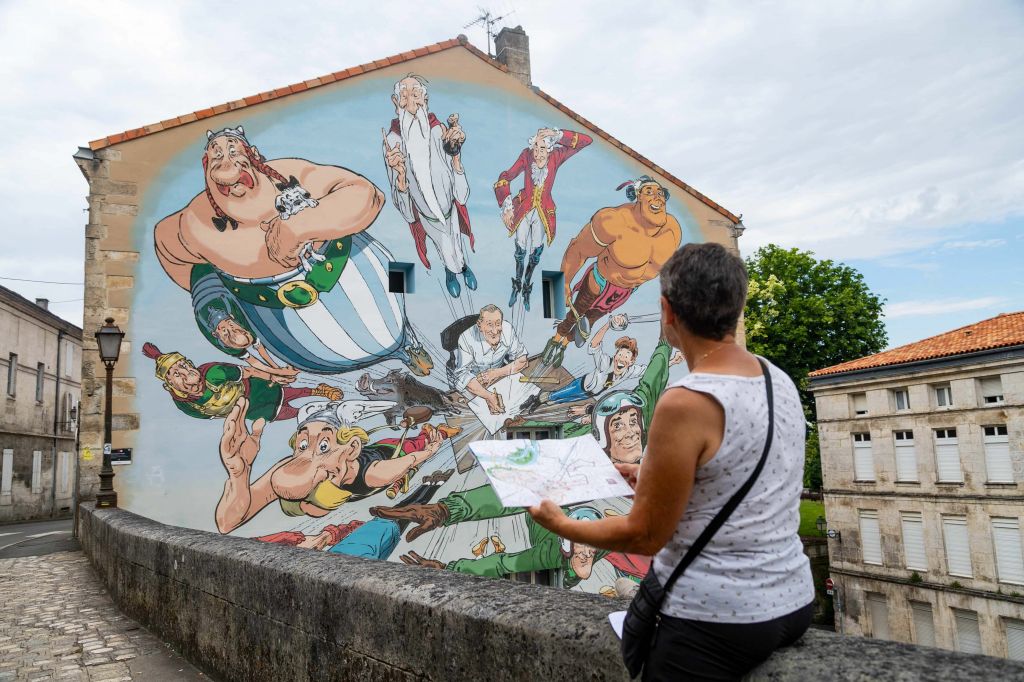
(460, 41)
(996, 332)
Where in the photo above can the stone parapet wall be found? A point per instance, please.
(252, 611)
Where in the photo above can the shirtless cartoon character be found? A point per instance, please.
(629, 244)
(284, 240)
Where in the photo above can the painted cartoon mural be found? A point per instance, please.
(298, 396)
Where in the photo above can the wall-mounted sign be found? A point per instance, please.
(121, 456)
(86, 454)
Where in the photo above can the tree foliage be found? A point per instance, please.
(804, 314)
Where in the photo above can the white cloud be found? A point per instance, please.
(854, 129)
(974, 244)
(941, 306)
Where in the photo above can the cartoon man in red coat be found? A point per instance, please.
(530, 214)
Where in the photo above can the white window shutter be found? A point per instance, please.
(958, 546)
(1009, 560)
(924, 623)
(879, 611)
(870, 537)
(968, 634)
(906, 461)
(913, 541)
(947, 458)
(37, 472)
(997, 458)
(863, 461)
(1014, 639)
(7, 472)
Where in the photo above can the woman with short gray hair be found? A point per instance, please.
(717, 492)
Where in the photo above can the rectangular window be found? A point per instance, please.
(40, 375)
(863, 457)
(879, 611)
(1014, 639)
(552, 294)
(870, 537)
(943, 396)
(901, 399)
(860, 404)
(924, 623)
(947, 456)
(12, 373)
(37, 472)
(544, 577)
(906, 456)
(968, 635)
(913, 541)
(958, 546)
(1009, 558)
(991, 390)
(6, 475)
(543, 433)
(997, 454)
(400, 278)
(69, 359)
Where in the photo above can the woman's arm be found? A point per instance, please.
(685, 423)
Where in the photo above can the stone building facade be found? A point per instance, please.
(40, 365)
(922, 451)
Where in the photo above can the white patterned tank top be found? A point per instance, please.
(754, 568)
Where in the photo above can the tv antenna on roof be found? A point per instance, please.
(487, 20)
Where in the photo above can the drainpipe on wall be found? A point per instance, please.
(56, 423)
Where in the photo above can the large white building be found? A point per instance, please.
(40, 366)
(922, 451)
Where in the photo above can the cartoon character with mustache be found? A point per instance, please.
(285, 240)
(629, 244)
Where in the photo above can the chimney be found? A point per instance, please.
(43, 303)
(512, 48)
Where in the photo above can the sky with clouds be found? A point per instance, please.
(887, 135)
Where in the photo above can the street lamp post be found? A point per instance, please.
(108, 339)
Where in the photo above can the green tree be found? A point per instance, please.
(804, 314)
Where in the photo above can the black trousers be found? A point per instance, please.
(699, 650)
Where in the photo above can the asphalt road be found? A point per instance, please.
(36, 538)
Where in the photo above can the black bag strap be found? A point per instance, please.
(720, 518)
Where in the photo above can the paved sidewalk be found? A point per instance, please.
(57, 622)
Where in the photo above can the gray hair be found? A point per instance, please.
(549, 141)
(419, 79)
(491, 308)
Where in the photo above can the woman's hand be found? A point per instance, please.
(630, 472)
(547, 514)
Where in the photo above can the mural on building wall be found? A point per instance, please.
(299, 400)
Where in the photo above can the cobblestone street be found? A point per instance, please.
(58, 623)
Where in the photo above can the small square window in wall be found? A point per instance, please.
(552, 294)
(860, 404)
(991, 391)
(401, 278)
(943, 395)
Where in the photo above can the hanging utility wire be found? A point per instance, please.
(41, 281)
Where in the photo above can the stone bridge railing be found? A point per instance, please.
(246, 610)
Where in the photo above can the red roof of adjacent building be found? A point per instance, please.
(996, 332)
(460, 41)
